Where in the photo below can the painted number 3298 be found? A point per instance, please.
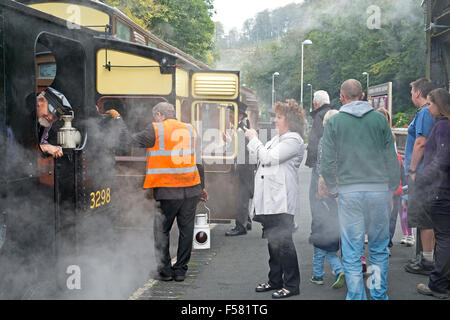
(100, 198)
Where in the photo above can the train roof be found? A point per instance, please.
(14, 5)
(183, 56)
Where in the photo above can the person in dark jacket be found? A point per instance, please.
(245, 172)
(321, 103)
(435, 178)
(325, 233)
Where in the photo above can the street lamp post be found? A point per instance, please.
(301, 80)
(367, 74)
(275, 74)
(310, 107)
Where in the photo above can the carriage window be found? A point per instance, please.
(45, 68)
(136, 112)
(123, 31)
(215, 122)
(185, 111)
(47, 71)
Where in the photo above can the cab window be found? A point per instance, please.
(123, 31)
(216, 124)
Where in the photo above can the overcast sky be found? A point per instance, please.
(233, 13)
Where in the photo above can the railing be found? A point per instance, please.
(400, 138)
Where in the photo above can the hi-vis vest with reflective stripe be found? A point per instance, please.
(171, 161)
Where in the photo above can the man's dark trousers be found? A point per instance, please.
(313, 201)
(245, 193)
(440, 214)
(184, 211)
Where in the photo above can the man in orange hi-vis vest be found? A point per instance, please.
(177, 180)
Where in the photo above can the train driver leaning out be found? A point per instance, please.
(50, 106)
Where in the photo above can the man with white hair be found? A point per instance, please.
(321, 107)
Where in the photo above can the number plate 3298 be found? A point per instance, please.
(100, 198)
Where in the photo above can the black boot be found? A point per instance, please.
(236, 231)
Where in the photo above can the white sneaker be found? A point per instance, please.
(410, 241)
(404, 240)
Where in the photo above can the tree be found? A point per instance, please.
(143, 12)
(343, 47)
(188, 26)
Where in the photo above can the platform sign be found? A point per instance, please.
(380, 96)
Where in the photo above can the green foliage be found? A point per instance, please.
(343, 47)
(140, 11)
(188, 26)
(400, 120)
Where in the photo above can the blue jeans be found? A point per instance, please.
(319, 259)
(313, 189)
(357, 210)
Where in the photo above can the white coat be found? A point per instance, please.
(276, 180)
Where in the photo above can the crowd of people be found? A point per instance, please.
(356, 191)
(356, 188)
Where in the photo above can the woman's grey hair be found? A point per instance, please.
(165, 109)
(321, 97)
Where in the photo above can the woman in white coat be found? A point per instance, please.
(276, 196)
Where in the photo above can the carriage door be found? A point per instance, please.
(60, 63)
(215, 98)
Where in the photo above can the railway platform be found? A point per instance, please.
(233, 266)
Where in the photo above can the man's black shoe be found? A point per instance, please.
(164, 277)
(423, 267)
(249, 226)
(425, 290)
(235, 232)
(179, 277)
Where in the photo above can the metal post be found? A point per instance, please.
(301, 81)
(428, 39)
(311, 102)
(367, 82)
(273, 87)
